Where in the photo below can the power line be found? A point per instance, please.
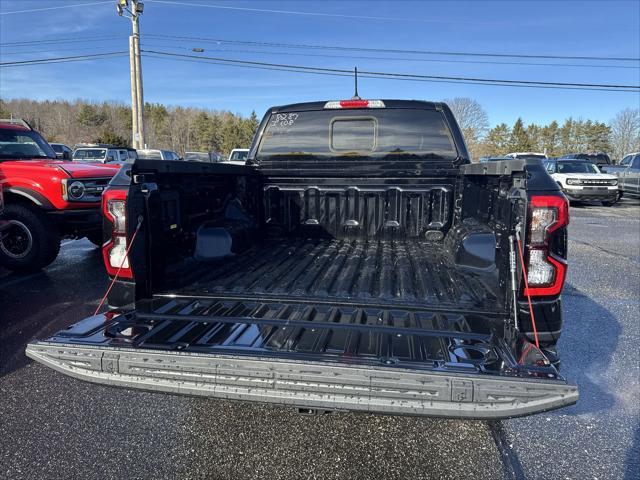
(75, 58)
(350, 74)
(357, 57)
(307, 14)
(70, 50)
(414, 59)
(406, 75)
(328, 71)
(62, 40)
(31, 10)
(396, 51)
(329, 47)
(289, 67)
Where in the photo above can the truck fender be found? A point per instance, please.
(30, 195)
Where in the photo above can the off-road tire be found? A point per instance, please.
(44, 242)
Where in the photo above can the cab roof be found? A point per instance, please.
(319, 105)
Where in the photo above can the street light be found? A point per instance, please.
(121, 5)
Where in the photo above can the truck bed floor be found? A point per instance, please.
(406, 272)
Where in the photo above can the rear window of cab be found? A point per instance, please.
(380, 133)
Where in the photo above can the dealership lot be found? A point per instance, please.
(53, 425)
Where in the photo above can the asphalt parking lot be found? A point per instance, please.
(52, 426)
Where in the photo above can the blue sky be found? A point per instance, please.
(570, 28)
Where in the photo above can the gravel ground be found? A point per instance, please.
(53, 426)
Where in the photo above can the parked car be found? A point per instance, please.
(597, 158)
(629, 178)
(103, 154)
(238, 156)
(620, 167)
(62, 151)
(45, 198)
(581, 180)
(359, 262)
(197, 157)
(154, 154)
(209, 157)
(527, 155)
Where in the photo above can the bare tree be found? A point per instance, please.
(625, 132)
(472, 118)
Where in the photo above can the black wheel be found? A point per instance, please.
(95, 238)
(609, 203)
(31, 241)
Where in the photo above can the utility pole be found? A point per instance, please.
(135, 8)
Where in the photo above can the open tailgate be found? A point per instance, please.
(321, 356)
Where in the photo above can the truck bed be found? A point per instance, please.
(403, 272)
(385, 321)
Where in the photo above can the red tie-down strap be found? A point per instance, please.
(124, 259)
(527, 292)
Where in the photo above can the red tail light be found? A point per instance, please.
(114, 209)
(546, 270)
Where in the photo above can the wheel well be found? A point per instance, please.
(16, 198)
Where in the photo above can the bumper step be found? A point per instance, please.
(308, 384)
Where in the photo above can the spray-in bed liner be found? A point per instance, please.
(401, 271)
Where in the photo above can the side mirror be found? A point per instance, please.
(66, 155)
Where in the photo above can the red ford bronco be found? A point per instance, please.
(45, 198)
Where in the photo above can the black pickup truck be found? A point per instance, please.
(357, 262)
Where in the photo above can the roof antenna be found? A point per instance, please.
(356, 97)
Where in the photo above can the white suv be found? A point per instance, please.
(103, 154)
(581, 180)
(238, 156)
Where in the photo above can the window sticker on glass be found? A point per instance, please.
(283, 120)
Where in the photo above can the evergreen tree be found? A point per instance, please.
(249, 127)
(598, 137)
(567, 137)
(534, 134)
(90, 116)
(497, 141)
(549, 139)
(111, 138)
(519, 140)
(232, 136)
(202, 132)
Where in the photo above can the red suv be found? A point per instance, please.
(45, 199)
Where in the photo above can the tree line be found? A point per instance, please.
(172, 128)
(617, 138)
(195, 129)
